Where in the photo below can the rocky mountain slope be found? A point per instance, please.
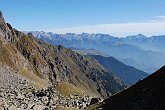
(144, 53)
(129, 74)
(147, 94)
(46, 65)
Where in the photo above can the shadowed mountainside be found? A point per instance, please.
(147, 94)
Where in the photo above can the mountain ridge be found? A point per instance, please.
(129, 74)
(138, 49)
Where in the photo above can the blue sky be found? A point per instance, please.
(99, 16)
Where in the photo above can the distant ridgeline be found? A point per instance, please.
(129, 74)
(144, 53)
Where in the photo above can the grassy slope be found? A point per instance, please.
(68, 89)
(12, 58)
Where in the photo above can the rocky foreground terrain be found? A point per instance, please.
(17, 93)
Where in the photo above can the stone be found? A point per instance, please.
(47, 99)
(2, 21)
(94, 100)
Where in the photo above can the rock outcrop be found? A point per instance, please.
(2, 21)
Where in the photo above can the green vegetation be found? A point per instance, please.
(67, 89)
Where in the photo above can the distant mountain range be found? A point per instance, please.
(147, 94)
(142, 52)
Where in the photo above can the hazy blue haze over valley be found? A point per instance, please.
(142, 52)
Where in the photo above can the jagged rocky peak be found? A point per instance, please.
(7, 33)
(3, 24)
(2, 21)
(30, 34)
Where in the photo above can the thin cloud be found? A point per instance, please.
(156, 26)
(158, 19)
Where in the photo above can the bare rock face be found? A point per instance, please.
(2, 25)
(2, 21)
(6, 30)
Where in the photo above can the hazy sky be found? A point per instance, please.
(115, 17)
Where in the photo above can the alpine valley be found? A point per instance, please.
(48, 71)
